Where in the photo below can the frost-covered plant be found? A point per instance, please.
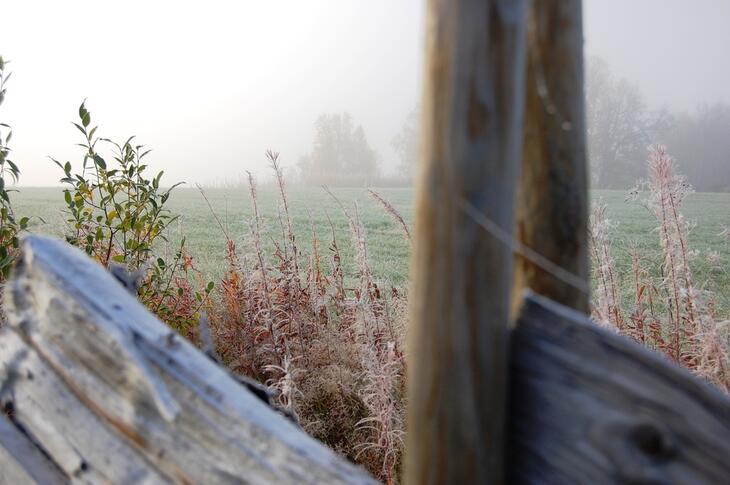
(671, 313)
(607, 310)
(333, 353)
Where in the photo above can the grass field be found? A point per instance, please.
(388, 250)
(336, 351)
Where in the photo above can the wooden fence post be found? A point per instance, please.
(552, 210)
(473, 108)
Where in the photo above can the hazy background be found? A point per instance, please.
(210, 85)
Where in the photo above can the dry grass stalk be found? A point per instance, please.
(332, 353)
(681, 322)
(394, 214)
(667, 190)
(382, 361)
(608, 309)
(725, 234)
(262, 279)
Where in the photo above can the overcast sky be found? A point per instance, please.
(211, 85)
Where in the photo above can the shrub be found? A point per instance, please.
(10, 227)
(116, 213)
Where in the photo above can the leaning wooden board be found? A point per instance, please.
(590, 406)
(112, 395)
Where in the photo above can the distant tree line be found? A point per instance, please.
(700, 142)
(341, 154)
(620, 128)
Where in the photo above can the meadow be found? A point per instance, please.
(388, 250)
(325, 329)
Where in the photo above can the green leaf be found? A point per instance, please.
(86, 119)
(67, 197)
(14, 168)
(5, 263)
(24, 222)
(100, 162)
(80, 128)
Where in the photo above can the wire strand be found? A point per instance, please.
(525, 251)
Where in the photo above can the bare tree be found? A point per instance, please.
(618, 127)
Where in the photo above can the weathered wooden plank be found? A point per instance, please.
(472, 132)
(552, 209)
(79, 441)
(117, 396)
(21, 461)
(591, 406)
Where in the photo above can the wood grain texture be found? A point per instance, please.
(591, 406)
(21, 461)
(552, 208)
(472, 132)
(112, 395)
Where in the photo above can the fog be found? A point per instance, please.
(211, 85)
(675, 50)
